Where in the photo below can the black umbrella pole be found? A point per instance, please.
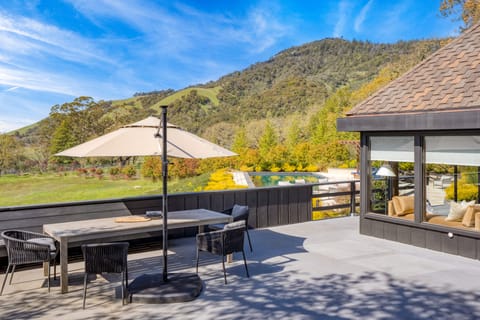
(164, 198)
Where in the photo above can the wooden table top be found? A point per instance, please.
(90, 229)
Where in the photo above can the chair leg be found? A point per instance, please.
(245, 262)
(11, 276)
(84, 289)
(123, 288)
(5, 279)
(126, 284)
(224, 272)
(54, 269)
(198, 256)
(249, 242)
(48, 275)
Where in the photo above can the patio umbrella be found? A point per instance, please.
(148, 137)
(142, 139)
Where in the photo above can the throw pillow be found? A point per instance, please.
(457, 210)
(469, 217)
(403, 205)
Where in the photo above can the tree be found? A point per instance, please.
(9, 151)
(240, 142)
(63, 137)
(84, 117)
(294, 135)
(469, 11)
(267, 142)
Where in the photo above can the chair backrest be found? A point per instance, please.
(105, 257)
(21, 250)
(240, 213)
(233, 237)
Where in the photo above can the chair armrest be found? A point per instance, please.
(212, 235)
(210, 241)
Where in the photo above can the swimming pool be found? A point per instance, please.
(267, 179)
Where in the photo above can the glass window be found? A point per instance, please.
(392, 176)
(452, 181)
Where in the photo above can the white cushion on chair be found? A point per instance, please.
(44, 241)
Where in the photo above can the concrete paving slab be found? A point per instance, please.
(314, 270)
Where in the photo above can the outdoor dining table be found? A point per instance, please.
(106, 228)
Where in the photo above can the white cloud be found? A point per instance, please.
(362, 16)
(8, 124)
(29, 37)
(11, 89)
(343, 13)
(184, 27)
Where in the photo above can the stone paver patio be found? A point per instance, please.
(314, 270)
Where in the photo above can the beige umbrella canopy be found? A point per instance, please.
(140, 139)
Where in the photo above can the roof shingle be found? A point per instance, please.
(448, 80)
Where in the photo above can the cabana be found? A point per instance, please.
(420, 152)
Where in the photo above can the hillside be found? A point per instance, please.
(297, 82)
(292, 81)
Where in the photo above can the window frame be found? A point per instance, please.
(419, 178)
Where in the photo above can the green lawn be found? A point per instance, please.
(52, 188)
(210, 93)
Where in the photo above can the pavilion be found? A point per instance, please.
(420, 152)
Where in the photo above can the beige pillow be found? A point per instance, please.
(469, 216)
(457, 210)
(403, 205)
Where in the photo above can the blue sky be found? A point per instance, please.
(52, 51)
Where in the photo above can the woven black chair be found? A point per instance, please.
(239, 213)
(106, 258)
(223, 242)
(25, 247)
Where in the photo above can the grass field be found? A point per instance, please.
(52, 188)
(210, 93)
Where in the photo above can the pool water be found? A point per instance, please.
(267, 179)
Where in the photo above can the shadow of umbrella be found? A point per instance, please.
(150, 137)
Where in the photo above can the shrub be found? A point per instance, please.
(246, 168)
(114, 172)
(129, 171)
(82, 171)
(152, 168)
(99, 173)
(465, 191)
(311, 168)
(288, 167)
(184, 168)
(222, 180)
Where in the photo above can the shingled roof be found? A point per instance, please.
(448, 80)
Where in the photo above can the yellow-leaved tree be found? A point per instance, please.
(466, 10)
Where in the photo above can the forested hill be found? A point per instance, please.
(297, 81)
(302, 76)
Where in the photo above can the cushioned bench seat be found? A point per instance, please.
(464, 215)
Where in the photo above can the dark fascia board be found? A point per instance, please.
(457, 120)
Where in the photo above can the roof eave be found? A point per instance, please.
(451, 120)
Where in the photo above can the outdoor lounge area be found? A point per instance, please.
(312, 270)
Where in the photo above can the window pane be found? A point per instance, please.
(392, 176)
(452, 188)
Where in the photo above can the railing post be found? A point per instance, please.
(352, 198)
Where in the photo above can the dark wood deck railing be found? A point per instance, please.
(338, 196)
